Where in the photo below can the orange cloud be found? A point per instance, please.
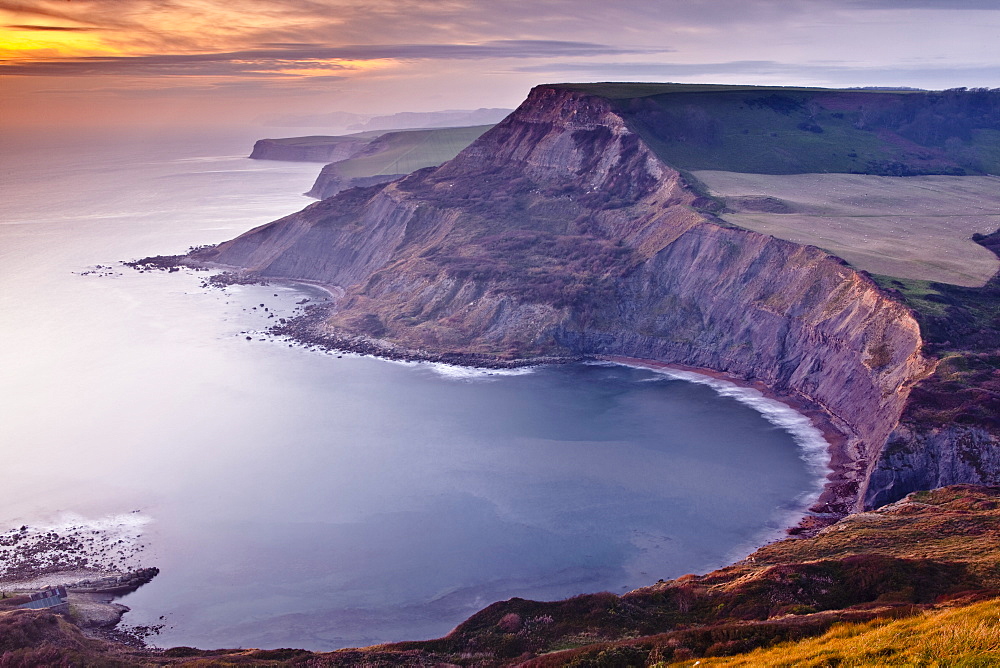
(29, 42)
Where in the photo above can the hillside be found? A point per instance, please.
(781, 130)
(314, 148)
(391, 156)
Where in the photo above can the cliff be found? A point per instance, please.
(562, 232)
(950, 429)
(308, 149)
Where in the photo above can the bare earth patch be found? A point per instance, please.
(916, 227)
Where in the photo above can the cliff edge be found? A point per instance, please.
(561, 232)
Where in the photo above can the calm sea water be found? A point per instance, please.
(294, 498)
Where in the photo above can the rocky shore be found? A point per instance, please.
(96, 563)
(89, 600)
(306, 330)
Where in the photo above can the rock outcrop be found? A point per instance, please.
(915, 459)
(560, 232)
(330, 181)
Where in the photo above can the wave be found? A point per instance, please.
(456, 372)
(110, 543)
(814, 449)
(121, 523)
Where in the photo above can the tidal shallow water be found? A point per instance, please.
(294, 498)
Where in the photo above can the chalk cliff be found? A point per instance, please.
(560, 232)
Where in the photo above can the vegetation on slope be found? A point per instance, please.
(393, 154)
(779, 130)
(960, 636)
(961, 326)
(410, 150)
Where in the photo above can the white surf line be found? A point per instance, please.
(111, 543)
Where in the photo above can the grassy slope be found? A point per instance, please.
(327, 140)
(962, 636)
(410, 150)
(314, 140)
(779, 130)
(913, 228)
(961, 326)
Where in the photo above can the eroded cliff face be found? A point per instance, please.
(560, 232)
(916, 459)
(789, 316)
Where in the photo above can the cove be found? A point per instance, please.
(298, 499)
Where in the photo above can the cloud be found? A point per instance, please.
(833, 73)
(56, 28)
(300, 56)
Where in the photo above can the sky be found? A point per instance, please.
(79, 63)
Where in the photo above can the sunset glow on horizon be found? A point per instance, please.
(100, 62)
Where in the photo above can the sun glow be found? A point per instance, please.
(29, 44)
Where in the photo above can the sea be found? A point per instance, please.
(298, 498)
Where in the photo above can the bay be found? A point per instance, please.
(294, 498)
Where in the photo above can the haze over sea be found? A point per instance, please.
(299, 499)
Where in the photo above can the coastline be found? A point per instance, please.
(837, 495)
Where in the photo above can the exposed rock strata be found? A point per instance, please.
(561, 232)
(916, 460)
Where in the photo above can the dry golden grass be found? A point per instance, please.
(915, 227)
(963, 636)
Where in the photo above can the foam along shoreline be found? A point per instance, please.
(110, 544)
(822, 443)
(819, 440)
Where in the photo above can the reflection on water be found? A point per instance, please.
(309, 500)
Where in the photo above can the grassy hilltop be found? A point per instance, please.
(781, 130)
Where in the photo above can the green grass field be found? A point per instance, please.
(409, 150)
(916, 227)
(789, 130)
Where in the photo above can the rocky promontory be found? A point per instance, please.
(563, 232)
